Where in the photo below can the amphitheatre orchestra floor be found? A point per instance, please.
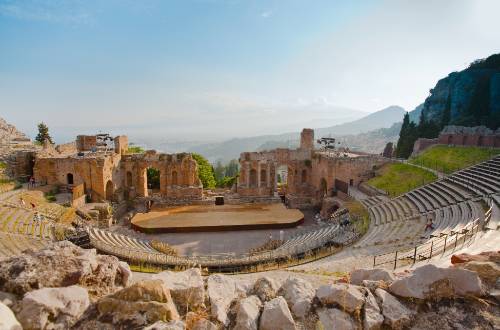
(217, 218)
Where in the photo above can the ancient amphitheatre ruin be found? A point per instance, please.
(258, 226)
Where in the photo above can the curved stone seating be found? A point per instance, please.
(13, 244)
(137, 250)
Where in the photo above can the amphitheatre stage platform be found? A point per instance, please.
(199, 218)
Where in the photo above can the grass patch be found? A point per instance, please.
(398, 178)
(448, 159)
(3, 165)
(135, 150)
(359, 216)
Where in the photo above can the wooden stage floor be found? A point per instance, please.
(217, 218)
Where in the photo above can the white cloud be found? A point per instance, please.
(53, 11)
(266, 14)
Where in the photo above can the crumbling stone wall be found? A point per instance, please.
(113, 175)
(311, 173)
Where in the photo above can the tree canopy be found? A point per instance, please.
(43, 134)
(205, 171)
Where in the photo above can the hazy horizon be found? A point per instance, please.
(211, 70)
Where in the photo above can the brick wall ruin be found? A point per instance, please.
(114, 175)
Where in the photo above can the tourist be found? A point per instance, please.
(429, 224)
(33, 206)
(22, 202)
(31, 183)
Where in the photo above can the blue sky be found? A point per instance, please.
(212, 69)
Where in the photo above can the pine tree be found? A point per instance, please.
(43, 133)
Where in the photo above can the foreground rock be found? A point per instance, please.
(58, 307)
(430, 281)
(221, 291)
(298, 293)
(265, 288)
(334, 319)
(493, 256)
(488, 271)
(372, 317)
(8, 320)
(276, 316)
(171, 325)
(396, 315)
(247, 317)
(187, 288)
(62, 265)
(377, 274)
(140, 304)
(349, 297)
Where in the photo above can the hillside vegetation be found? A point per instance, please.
(469, 98)
(447, 159)
(398, 178)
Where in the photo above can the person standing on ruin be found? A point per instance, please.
(22, 202)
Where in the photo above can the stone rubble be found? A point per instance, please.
(96, 298)
(187, 288)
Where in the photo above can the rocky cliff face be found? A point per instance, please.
(470, 97)
(10, 133)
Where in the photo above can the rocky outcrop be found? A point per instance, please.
(187, 288)
(62, 265)
(430, 281)
(53, 308)
(466, 95)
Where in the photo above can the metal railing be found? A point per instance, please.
(438, 245)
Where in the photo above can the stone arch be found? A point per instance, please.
(304, 176)
(253, 178)
(69, 178)
(109, 190)
(263, 177)
(175, 179)
(129, 179)
(323, 188)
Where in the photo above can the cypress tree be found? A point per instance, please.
(43, 133)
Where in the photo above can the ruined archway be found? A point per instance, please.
(253, 178)
(129, 179)
(175, 181)
(69, 178)
(304, 176)
(263, 178)
(323, 188)
(109, 190)
(153, 178)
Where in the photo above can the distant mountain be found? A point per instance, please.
(382, 118)
(231, 149)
